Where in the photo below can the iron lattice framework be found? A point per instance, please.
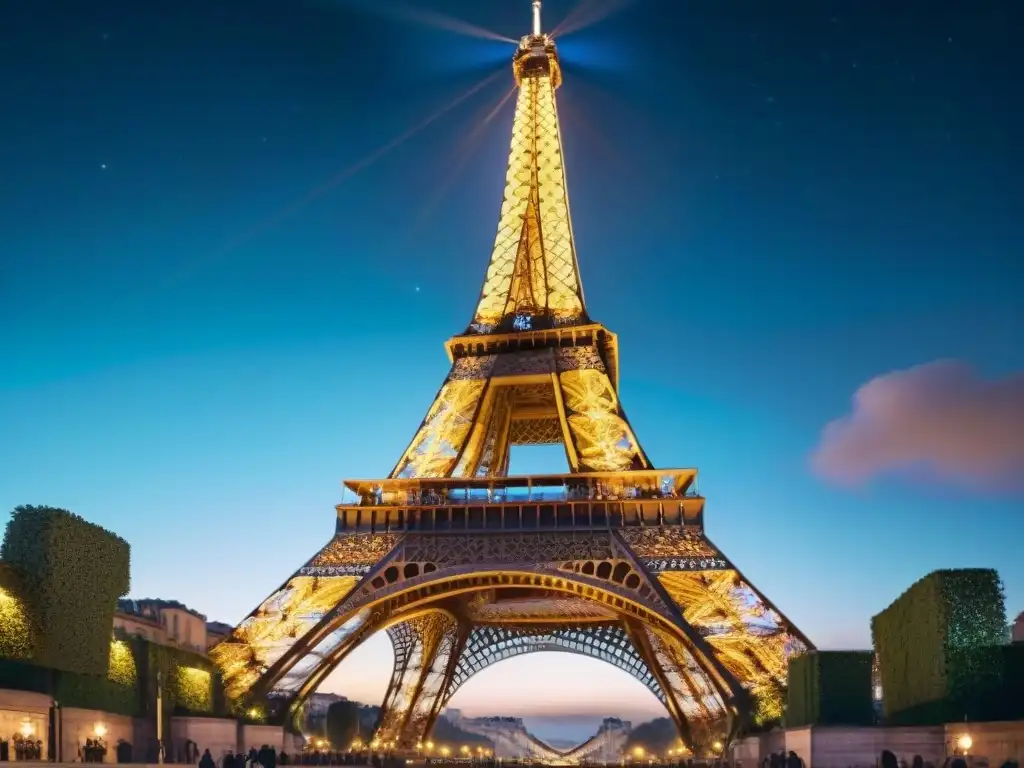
(465, 566)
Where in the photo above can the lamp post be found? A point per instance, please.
(57, 728)
(159, 718)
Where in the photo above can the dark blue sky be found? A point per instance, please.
(773, 204)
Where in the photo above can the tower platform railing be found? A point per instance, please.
(583, 501)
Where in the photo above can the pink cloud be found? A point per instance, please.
(942, 418)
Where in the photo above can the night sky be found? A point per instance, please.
(217, 298)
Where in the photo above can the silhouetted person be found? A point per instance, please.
(889, 760)
(958, 763)
(206, 761)
(793, 760)
(254, 756)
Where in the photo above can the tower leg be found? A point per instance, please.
(426, 649)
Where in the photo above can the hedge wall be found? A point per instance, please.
(72, 573)
(16, 633)
(128, 687)
(830, 688)
(938, 648)
(188, 679)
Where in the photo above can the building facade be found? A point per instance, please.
(166, 622)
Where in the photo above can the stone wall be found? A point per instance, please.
(801, 741)
(250, 736)
(995, 741)
(25, 714)
(852, 747)
(840, 747)
(218, 735)
(77, 725)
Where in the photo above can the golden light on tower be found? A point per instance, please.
(530, 368)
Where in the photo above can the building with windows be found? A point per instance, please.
(166, 622)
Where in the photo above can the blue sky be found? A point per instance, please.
(771, 209)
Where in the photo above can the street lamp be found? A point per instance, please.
(717, 747)
(964, 743)
(100, 730)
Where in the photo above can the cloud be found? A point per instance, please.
(941, 418)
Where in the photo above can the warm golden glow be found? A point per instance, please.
(964, 743)
(100, 730)
(26, 729)
(518, 564)
(533, 267)
(747, 636)
(604, 440)
(435, 448)
(268, 633)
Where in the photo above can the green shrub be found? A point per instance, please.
(938, 647)
(800, 689)
(72, 574)
(129, 685)
(830, 688)
(191, 689)
(122, 669)
(25, 676)
(16, 632)
(74, 689)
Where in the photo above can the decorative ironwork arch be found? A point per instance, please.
(487, 645)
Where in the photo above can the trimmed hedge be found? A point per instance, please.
(939, 648)
(188, 679)
(830, 688)
(128, 687)
(72, 573)
(16, 631)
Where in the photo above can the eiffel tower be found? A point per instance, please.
(463, 565)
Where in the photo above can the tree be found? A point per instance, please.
(342, 723)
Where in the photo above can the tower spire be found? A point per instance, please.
(533, 280)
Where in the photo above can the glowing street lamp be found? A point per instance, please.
(717, 747)
(26, 729)
(445, 751)
(430, 746)
(100, 730)
(964, 743)
(638, 752)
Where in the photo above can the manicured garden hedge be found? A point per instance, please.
(72, 573)
(128, 687)
(830, 688)
(16, 632)
(939, 648)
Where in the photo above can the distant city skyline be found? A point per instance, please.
(220, 297)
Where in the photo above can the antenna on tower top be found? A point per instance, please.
(536, 18)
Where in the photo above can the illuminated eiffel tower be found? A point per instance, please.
(464, 565)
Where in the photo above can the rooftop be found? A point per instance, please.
(149, 607)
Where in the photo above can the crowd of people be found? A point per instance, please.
(268, 757)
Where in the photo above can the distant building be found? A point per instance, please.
(314, 713)
(216, 631)
(165, 622)
(1017, 631)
